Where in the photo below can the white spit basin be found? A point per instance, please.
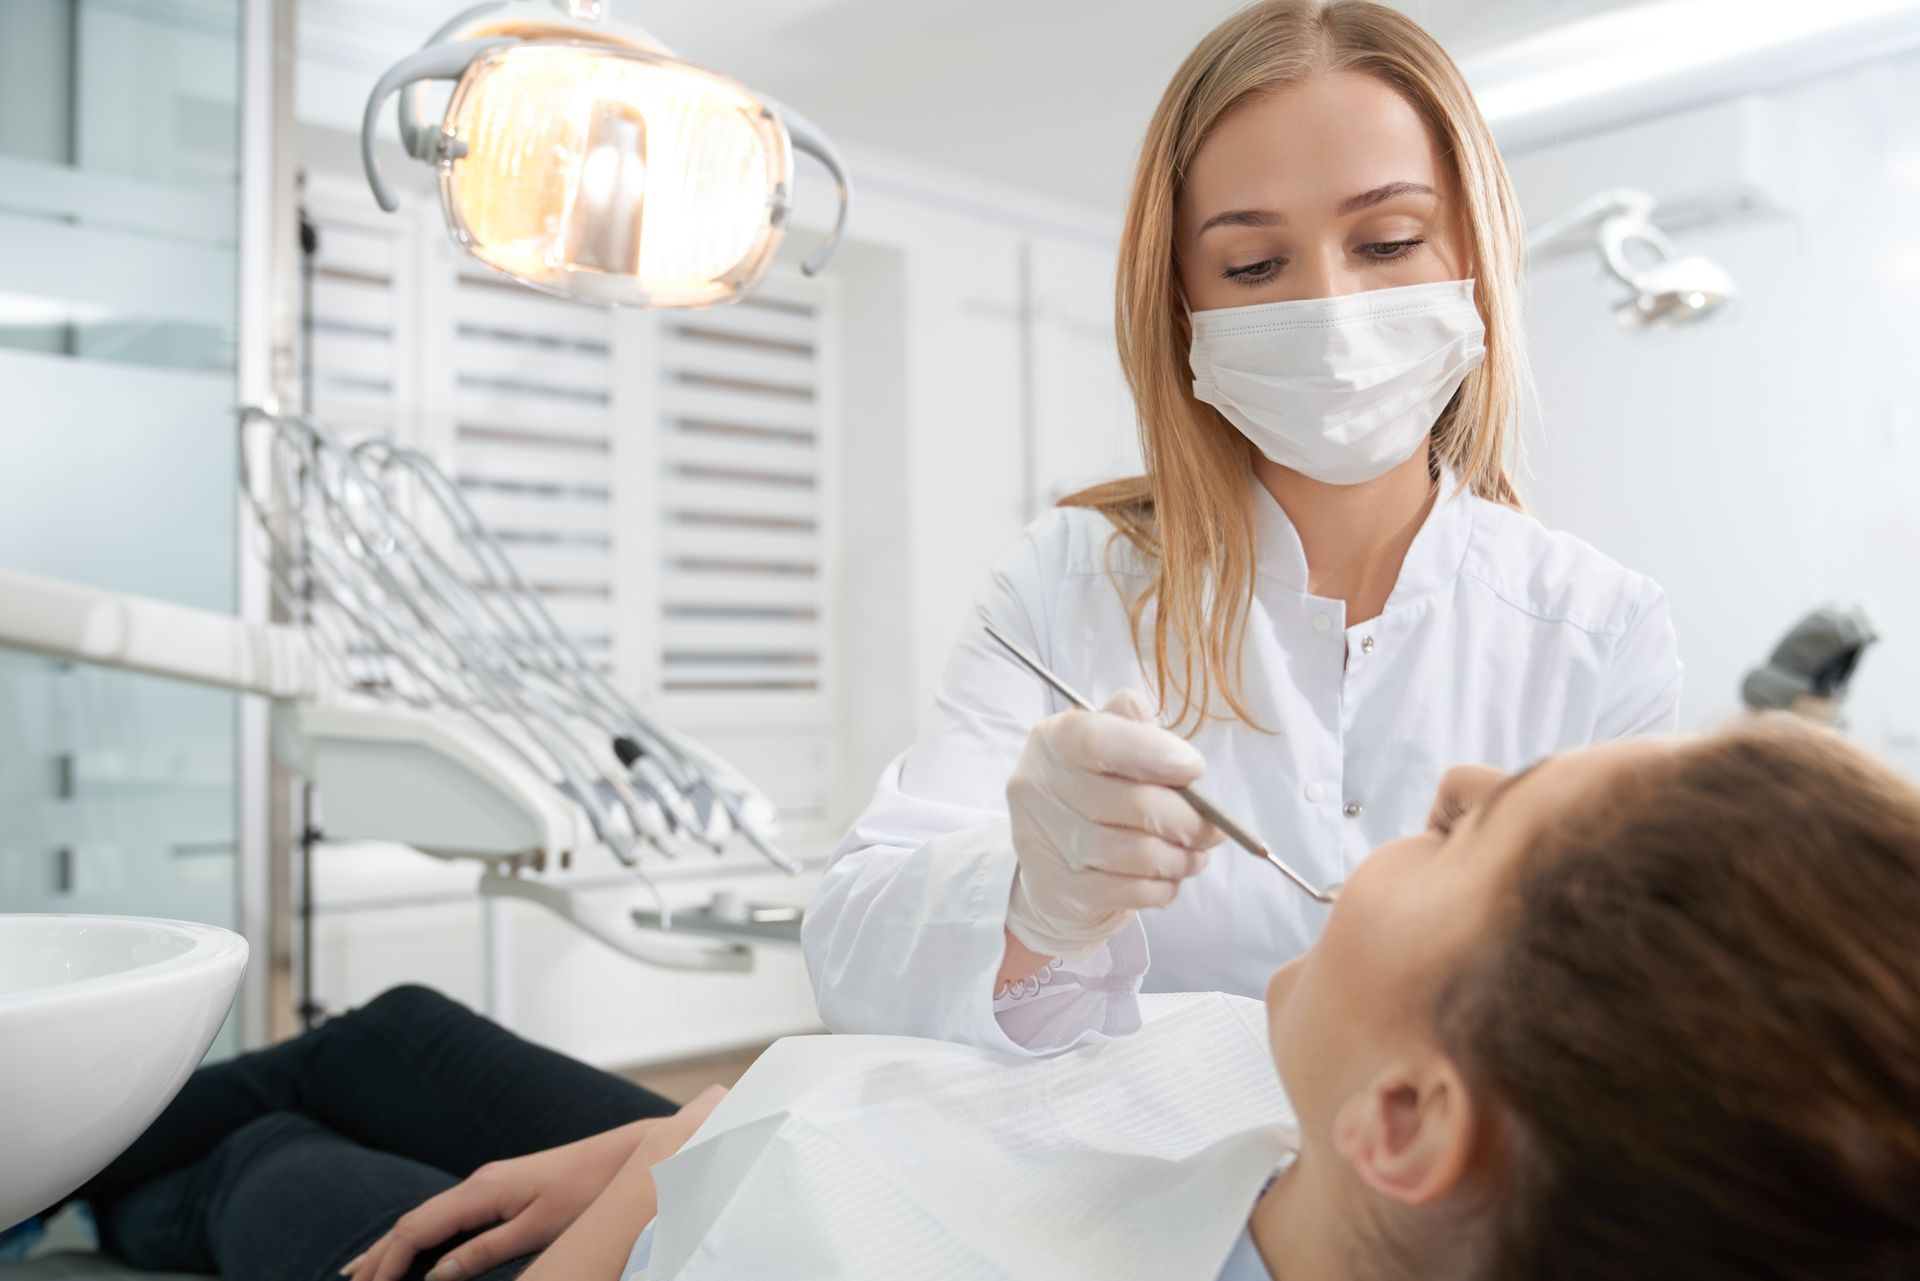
(102, 1019)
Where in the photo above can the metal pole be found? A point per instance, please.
(263, 354)
(310, 1009)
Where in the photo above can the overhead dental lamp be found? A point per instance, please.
(581, 157)
(1671, 288)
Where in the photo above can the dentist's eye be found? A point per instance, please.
(1254, 273)
(1388, 250)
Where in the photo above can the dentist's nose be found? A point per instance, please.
(1323, 274)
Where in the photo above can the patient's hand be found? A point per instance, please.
(596, 1247)
(532, 1200)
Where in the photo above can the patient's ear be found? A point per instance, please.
(1409, 1135)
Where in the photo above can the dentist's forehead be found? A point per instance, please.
(1339, 134)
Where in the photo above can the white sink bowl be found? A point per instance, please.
(102, 1019)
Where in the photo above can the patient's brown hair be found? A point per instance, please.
(1703, 1021)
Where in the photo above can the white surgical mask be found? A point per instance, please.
(1339, 389)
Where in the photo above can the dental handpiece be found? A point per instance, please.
(1207, 809)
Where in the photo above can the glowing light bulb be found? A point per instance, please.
(585, 160)
(615, 176)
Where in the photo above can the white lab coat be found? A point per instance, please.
(1501, 643)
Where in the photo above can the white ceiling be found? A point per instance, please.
(1050, 95)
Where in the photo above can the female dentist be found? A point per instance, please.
(1324, 574)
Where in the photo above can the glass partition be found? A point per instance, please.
(118, 255)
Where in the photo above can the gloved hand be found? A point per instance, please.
(1098, 830)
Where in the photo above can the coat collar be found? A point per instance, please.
(1432, 562)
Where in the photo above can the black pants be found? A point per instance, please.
(285, 1164)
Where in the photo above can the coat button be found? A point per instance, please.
(1321, 623)
(1366, 644)
(1352, 810)
(1315, 792)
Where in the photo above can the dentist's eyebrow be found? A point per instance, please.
(1380, 195)
(1352, 204)
(1244, 218)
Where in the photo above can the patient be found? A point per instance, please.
(1647, 1010)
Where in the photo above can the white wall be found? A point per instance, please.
(1767, 461)
(1013, 393)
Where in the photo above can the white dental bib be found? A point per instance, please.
(841, 1158)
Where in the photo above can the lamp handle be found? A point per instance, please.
(806, 137)
(435, 62)
(414, 131)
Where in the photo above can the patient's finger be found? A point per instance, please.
(379, 1255)
(489, 1249)
(459, 1209)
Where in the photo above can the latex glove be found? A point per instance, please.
(527, 1203)
(1098, 830)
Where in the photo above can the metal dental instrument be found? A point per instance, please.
(409, 599)
(1208, 810)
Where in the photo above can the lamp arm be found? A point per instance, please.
(808, 138)
(1617, 232)
(435, 62)
(1588, 214)
(416, 132)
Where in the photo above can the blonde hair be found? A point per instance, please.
(1189, 512)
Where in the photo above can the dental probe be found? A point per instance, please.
(1208, 810)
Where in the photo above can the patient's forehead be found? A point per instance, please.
(1564, 782)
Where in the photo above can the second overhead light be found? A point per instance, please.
(1672, 288)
